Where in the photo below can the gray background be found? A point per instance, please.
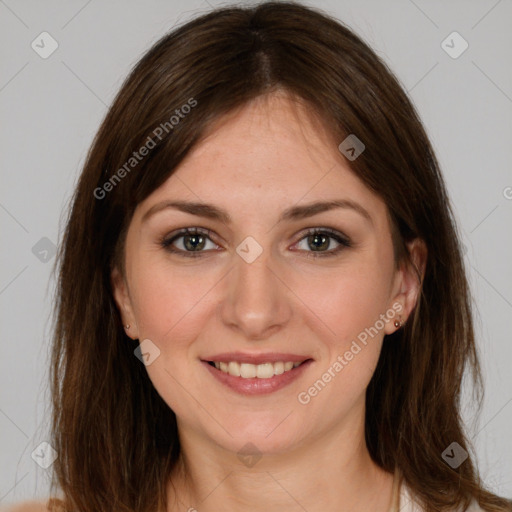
(51, 108)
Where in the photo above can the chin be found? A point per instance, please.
(270, 435)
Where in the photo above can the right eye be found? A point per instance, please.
(191, 240)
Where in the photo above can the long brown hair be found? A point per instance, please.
(115, 436)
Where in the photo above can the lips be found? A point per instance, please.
(256, 373)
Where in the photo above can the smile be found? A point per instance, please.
(256, 379)
(250, 371)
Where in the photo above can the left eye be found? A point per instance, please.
(320, 240)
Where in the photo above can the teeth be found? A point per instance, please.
(249, 371)
(233, 368)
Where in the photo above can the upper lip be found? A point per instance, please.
(268, 357)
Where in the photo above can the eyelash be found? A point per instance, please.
(344, 242)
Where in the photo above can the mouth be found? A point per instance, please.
(249, 378)
(266, 370)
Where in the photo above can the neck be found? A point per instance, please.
(333, 473)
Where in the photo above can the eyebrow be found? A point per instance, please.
(213, 212)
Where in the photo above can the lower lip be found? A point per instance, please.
(256, 386)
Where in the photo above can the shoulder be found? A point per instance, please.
(27, 506)
(409, 504)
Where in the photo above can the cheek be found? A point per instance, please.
(168, 301)
(348, 300)
(343, 309)
(171, 308)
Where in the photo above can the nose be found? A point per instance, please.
(256, 301)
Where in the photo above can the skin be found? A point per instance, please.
(270, 155)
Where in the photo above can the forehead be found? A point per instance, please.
(275, 130)
(270, 153)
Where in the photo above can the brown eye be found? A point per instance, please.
(193, 242)
(190, 242)
(319, 242)
(323, 242)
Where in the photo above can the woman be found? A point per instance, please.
(262, 299)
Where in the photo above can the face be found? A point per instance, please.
(263, 277)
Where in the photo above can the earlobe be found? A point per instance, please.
(395, 315)
(123, 302)
(410, 277)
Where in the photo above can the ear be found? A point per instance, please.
(124, 305)
(407, 285)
